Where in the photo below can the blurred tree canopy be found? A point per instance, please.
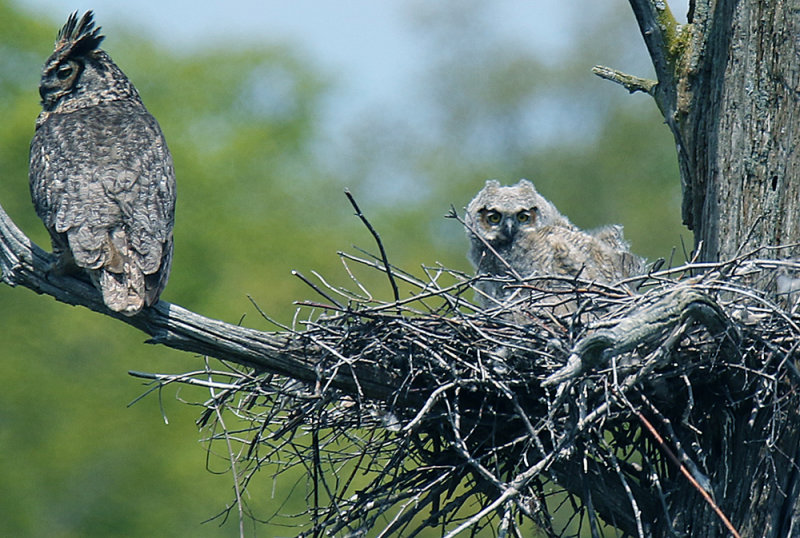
(259, 194)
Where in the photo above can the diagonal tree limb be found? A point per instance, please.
(666, 43)
(648, 324)
(672, 48)
(23, 263)
(660, 31)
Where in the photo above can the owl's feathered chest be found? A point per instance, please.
(534, 250)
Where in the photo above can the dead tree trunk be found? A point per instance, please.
(737, 114)
(729, 89)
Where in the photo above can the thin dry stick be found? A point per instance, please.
(637, 513)
(233, 460)
(453, 214)
(377, 237)
(683, 469)
(380, 366)
(316, 288)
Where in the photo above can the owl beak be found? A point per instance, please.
(47, 94)
(507, 230)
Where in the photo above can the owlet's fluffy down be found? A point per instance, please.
(101, 176)
(514, 231)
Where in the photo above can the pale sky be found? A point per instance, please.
(350, 38)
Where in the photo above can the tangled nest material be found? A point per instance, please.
(575, 408)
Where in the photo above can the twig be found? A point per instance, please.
(165, 379)
(377, 237)
(231, 458)
(453, 214)
(267, 317)
(631, 83)
(637, 513)
(684, 471)
(316, 288)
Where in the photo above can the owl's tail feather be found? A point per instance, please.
(122, 292)
(119, 278)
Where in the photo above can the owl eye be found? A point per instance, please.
(64, 71)
(493, 217)
(524, 216)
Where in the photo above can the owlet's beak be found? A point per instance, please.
(507, 230)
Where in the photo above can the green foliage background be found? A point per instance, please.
(260, 194)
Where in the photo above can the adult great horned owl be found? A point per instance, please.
(101, 176)
(514, 231)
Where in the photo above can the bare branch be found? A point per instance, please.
(25, 264)
(377, 237)
(629, 82)
(433, 395)
(660, 31)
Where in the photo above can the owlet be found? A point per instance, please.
(101, 176)
(516, 232)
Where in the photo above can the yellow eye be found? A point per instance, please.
(64, 71)
(524, 216)
(493, 217)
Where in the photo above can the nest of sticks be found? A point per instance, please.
(572, 408)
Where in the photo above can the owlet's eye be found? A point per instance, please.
(64, 71)
(493, 217)
(524, 216)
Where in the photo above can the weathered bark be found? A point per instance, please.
(744, 115)
(729, 89)
(22, 263)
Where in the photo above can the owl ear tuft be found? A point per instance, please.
(78, 37)
(525, 184)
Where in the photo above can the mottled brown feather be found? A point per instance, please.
(101, 175)
(514, 231)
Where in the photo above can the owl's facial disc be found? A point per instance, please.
(499, 228)
(492, 217)
(58, 80)
(526, 217)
